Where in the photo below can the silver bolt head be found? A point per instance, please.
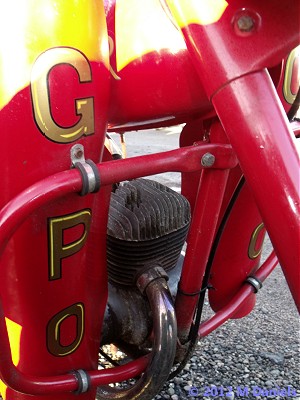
(208, 160)
(245, 23)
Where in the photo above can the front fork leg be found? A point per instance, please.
(258, 130)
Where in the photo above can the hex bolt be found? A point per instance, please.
(208, 160)
(245, 23)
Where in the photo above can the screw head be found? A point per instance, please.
(245, 23)
(208, 160)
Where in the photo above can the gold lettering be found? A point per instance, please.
(111, 51)
(253, 251)
(41, 98)
(287, 84)
(59, 250)
(54, 328)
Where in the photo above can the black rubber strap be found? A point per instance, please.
(84, 381)
(84, 177)
(97, 175)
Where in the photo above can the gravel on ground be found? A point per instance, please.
(256, 357)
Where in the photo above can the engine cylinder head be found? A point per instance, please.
(148, 223)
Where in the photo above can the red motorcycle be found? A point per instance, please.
(91, 252)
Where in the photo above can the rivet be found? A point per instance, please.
(245, 23)
(208, 160)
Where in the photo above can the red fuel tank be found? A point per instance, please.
(153, 80)
(54, 92)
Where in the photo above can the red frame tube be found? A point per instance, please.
(268, 156)
(57, 186)
(187, 159)
(250, 111)
(267, 139)
(201, 235)
(243, 294)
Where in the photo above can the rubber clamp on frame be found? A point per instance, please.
(88, 185)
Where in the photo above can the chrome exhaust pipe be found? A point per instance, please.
(152, 283)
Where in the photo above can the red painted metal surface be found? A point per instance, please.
(238, 253)
(153, 81)
(270, 161)
(51, 313)
(66, 182)
(232, 263)
(187, 159)
(11, 217)
(232, 51)
(265, 147)
(54, 89)
(199, 242)
(61, 186)
(288, 85)
(192, 133)
(245, 293)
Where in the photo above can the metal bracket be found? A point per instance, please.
(84, 381)
(255, 282)
(87, 168)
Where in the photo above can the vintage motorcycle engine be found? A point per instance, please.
(147, 226)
